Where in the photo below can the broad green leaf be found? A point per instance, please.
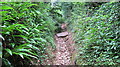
(18, 53)
(118, 61)
(9, 51)
(116, 57)
(32, 5)
(33, 47)
(3, 12)
(21, 56)
(0, 54)
(2, 37)
(12, 44)
(43, 40)
(20, 36)
(29, 55)
(32, 41)
(5, 7)
(6, 62)
(22, 45)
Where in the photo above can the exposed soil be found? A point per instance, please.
(64, 49)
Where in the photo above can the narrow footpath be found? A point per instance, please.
(63, 54)
(64, 49)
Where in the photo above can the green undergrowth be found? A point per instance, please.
(27, 32)
(97, 33)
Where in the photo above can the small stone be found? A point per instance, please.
(60, 58)
(62, 34)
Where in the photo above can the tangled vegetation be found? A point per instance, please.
(97, 31)
(28, 30)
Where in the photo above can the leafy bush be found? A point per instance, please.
(98, 34)
(24, 28)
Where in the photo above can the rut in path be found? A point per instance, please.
(64, 49)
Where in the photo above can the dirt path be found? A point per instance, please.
(63, 55)
(64, 49)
